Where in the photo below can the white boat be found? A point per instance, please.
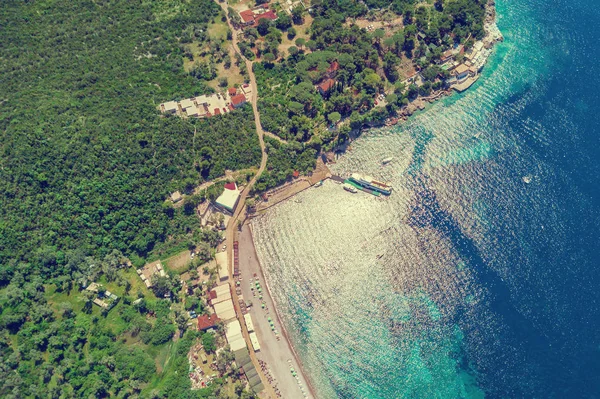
(387, 160)
(527, 179)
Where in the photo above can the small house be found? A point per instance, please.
(169, 107)
(325, 86)
(238, 100)
(176, 196)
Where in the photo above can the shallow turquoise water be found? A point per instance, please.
(466, 282)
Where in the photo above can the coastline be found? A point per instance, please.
(287, 191)
(278, 355)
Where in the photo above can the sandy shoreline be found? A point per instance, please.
(278, 354)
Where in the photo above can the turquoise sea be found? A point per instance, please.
(467, 282)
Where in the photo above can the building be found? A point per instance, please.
(225, 310)
(249, 323)
(206, 322)
(229, 198)
(461, 72)
(238, 100)
(232, 91)
(247, 17)
(254, 341)
(220, 294)
(170, 107)
(325, 86)
(252, 17)
(233, 333)
(447, 56)
(176, 196)
(247, 89)
(333, 68)
(188, 106)
(222, 265)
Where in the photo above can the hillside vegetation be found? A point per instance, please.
(86, 163)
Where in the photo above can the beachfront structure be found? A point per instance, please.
(233, 333)
(225, 310)
(243, 361)
(222, 265)
(249, 323)
(462, 72)
(220, 294)
(229, 198)
(254, 341)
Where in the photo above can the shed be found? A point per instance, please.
(176, 196)
(222, 265)
(254, 341)
(249, 323)
(225, 310)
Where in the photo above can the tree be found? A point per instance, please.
(300, 42)
(208, 342)
(297, 15)
(291, 33)
(162, 285)
(378, 35)
(283, 21)
(268, 57)
(334, 117)
(263, 26)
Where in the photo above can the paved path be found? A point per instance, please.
(239, 211)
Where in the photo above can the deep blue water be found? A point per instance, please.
(467, 281)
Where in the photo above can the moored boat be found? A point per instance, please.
(370, 183)
(350, 188)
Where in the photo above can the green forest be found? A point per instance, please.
(366, 62)
(86, 163)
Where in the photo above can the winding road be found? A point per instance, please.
(239, 212)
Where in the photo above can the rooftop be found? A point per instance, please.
(238, 99)
(205, 321)
(326, 85)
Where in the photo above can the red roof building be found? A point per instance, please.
(268, 15)
(232, 91)
(333, 67)
(205, 322)
(247, 17)
(217, 111)
(296, 174)
(325, 86)
(230, 186)
(238, 100)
